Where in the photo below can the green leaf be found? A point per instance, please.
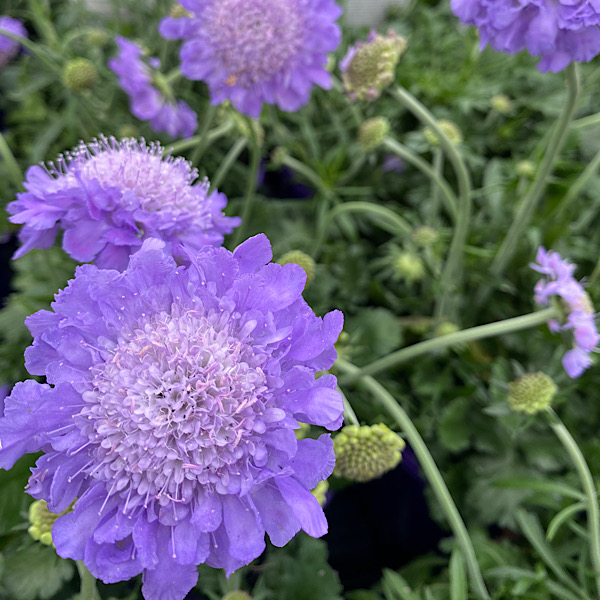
(538, 485)
(453, 428)
(13, 499)
(395, 587)
(562, 517)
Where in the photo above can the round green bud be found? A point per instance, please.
(320, 492)
(501, 103)
(300, 258)
(366, 452)
(97, 37)
(80, 75)
(525, 168)
(446, 328)
(237, 595)
(42, 520)
(371, 65)
(408, 266)
(372, 132)
(531, 393)
(449, 128)
(425, 236)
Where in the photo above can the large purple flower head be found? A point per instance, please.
(146, 101)
(255, 51)
(559, 281)
(173, 396)
(9, 47)
(560, 31)
(109, 196)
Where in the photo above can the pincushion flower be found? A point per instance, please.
(560, 31)
(9, 47)
(255, 51)
(109, 196)
(169, 414)
(147, 103)
(559, 281)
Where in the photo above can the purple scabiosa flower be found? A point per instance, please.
(172, 398)
(109, 196)
(560, 31)
(255, 51)
(9, 47)
(559, 281)
(147, 103)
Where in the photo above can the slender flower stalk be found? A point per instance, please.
(203, 141)
(529, 203)
(229, 160)
(452, 272)
(185, 144)
(88, 589)
(430, 470)
(452, 339)
(589, 488)
(350, 417)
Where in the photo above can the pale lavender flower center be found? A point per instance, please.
(254, 39)
(179, 403)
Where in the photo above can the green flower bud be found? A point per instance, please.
(501, 103)
(42, 520)
(300, 258)
(278, 155)
(372, 132)
(425, 236)
(525, 168)
(531, 393)
(80, 75)
(97, 37)
(369, 67)
(320, 492)
(451, 130)
(237, 595)
(446, 328)
(409, 267)
(367, 452)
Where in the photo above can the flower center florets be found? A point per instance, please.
(179, 403)
(254, 40)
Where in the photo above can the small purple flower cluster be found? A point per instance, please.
(9, 47)
(147, 103)
(259, 51)
(109, 196)
(559, 281)
(560, 31)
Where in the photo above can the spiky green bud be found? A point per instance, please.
(366, 452)
(300, 258)
(525, 168)
(501, 103)
(372, 132)
(237, 595)
(408, 266)
(80, 75)
(425, 236)
(531, 393)
(42, 520)
(449, 128)
(370, 67)
(320, 492)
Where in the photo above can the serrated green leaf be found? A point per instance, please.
(453, 429)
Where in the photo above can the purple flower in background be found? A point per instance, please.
(109, 196)
(255, 51)
(560, 31)
(8, 47)
(559, 281)
(170, 415)
(147, 103)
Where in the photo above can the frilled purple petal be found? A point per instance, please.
(278, 63)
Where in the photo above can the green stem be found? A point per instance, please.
(528, 205)
(576, 187)
(9, 158)
(387, 219)
(202, 137)
(452, 339)
(88, 590)
(211, 136)
(228, 161)
(250, 185)
(349, 414)
(431, 472)
(44, 54)
(438, 167)
(308, 173)
(587, 483)
(410, 157)
(452, 272)
(586, 122)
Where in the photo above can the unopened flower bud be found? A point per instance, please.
(372, 132)
(501, 103)
(42, 520)
(302, 259)
(320, 492)
(525, 168)
(409, 267)
(531, 393)
(369, 67)
(446, 328)
(97, 37)
(80, 75)
(425, 236)
(366, 452)
(449, 128)
(278, 155)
